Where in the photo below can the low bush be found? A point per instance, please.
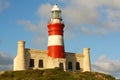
(53, 74)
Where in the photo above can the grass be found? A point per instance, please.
(53, 74)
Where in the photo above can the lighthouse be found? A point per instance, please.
(55, 56)
(55, 34)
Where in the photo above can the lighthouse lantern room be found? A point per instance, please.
(56, 12)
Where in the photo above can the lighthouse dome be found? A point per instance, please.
(55, 8)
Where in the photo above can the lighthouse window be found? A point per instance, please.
(70, 65)
(41, 63)
(77, 66)
(31, 63)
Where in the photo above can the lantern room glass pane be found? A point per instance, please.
(56, 14)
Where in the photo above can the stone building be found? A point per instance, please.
(55, 56)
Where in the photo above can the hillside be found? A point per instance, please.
(53, 74)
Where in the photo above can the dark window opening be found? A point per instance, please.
(41, 63)
(31, 63)
(70, 65)
(77, 66)
(61, 66)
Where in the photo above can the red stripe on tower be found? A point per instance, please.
(55, 31)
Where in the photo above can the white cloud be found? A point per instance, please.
(105, 65)
(44, 11)
(40, 28)
(89, 31)
(41, 35)
(101, 16)
(28, 25)
(93, 17)
(40, 31)
(6, 61)
(4, 4)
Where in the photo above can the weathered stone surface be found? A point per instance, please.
(22, 60)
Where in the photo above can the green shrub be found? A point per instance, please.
(53, 74)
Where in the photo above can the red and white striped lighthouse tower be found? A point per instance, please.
(55, 32)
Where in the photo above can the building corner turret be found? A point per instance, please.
(19, 61)
(86, 60)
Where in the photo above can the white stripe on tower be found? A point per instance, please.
(55, 40)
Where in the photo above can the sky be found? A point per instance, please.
(93, 24)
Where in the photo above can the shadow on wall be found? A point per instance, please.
(72, 62)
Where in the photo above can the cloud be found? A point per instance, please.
(105, 65)
(40, 30)
(6, 61)
(44, 11)
(89, 31)
(28, 25)
(90, 17)
(4, 4)
(98, 17)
